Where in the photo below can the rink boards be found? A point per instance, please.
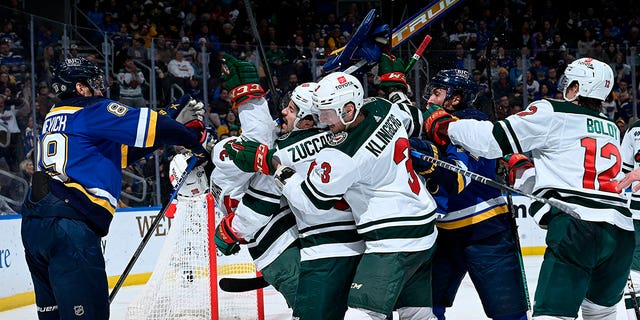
(126, 232)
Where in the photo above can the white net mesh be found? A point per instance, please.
(179, 287)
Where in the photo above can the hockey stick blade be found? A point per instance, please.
(242, 284)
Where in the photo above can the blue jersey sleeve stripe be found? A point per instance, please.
(124, 152)
(151, 132)
(467, 221)
(99, 201)
(141, 130)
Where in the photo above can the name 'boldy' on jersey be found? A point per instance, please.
(85, 134)
(369, 166)
(576, 152)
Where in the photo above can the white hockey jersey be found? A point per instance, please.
(370, 168)
(260, 218)
(576, 152)
(630, 150)
(332, 233)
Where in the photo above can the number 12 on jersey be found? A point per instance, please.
(604, 178)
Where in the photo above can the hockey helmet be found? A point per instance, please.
(335, 91)
(196, 182)
(455, 82)
(302, 97)
(594, 77)
(67, 73)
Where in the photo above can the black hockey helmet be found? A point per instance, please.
(67, 73)
(455, 82)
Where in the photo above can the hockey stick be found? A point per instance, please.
(152, 228)
(242, 284)
(420, 20)
(516, 240)
(416, 56)
(632, 294)
(493, 183)
(263, 55)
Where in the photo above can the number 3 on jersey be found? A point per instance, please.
(605, 178)
(401, 153)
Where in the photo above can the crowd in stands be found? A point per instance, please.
(530, 43)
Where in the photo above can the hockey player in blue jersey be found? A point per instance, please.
(474, 229)
(85, 142)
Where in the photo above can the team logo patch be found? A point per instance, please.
(337, 138)
(284, 136)
(78, 310)
(636, 157)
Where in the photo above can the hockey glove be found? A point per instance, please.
(227, 241)
(282, 175)
(202, 150)
(193, 111)
(427, 148)
(251, 156)
(174, 108)
(436, 124)
(516, 162)
(391, 71)
(241, 79)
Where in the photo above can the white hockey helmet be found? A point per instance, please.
(335, 91)
(302, 97)
(196, 182)
(594, 77)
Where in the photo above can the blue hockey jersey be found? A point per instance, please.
(85, 143)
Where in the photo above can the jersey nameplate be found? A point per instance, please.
(308, 147)
(383, 135)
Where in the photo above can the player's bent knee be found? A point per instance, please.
(363, 314)
(594, 311)
(415, 313)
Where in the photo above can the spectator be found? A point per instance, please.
(138, 51)
(27, 169)
(9, 36)
(277, 58)
(188, 52)
(586, 45)
(502, 86)
(46, 99)
(220, 108)
(73, 51)
(533, 86)
(15, 62)
(29, 136)
(131, 79)
(9, 124)
(180, 70)
(552, 80)
(299, 54)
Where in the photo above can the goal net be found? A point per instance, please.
(184, 282)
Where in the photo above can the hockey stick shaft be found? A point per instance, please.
(633, 296)
(516, 241)
(152, 228)
(263, 55)
(491, 183)
(416, 56)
